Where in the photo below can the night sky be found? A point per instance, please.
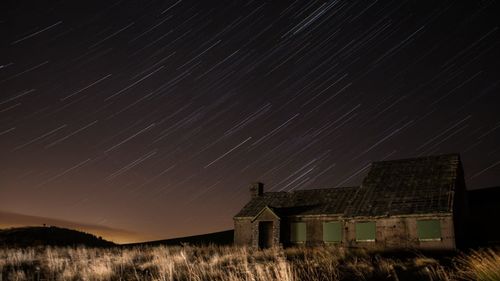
(154, 116)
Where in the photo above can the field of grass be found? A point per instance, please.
(232, 264)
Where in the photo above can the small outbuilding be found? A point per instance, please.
(414, 203)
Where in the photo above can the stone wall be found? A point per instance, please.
(242, 232)
(391, 232)
(401, 233)
(314, 229)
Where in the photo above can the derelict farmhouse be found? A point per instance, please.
(410, 203)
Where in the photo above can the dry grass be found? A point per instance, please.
(233, 264)
(481, 265)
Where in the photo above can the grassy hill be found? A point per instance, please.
(48, 236)
(216, 238)
(57, 236)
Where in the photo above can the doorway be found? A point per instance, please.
(265, 234)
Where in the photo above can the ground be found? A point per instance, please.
(238, 263)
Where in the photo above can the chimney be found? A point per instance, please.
(256, 189)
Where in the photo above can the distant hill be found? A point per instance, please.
(215, 238)
(49, 236)
(11, 219)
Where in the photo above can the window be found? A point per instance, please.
(429, 230)
(332, 231)
(365, 231)
(298, 232)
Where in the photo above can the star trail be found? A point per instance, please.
(154, 116)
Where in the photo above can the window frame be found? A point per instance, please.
(298, 223)
(340, 234)
(358, 230)
(429, 239)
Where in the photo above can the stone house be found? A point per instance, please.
(414, 203)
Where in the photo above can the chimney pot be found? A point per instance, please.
(256, 189)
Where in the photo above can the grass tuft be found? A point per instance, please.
(480, 265)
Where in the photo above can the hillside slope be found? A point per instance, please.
(48, 236)
(216, 238)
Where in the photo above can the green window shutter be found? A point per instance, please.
(365, 231)
(332, 231)
(429, 230)
(298, 232)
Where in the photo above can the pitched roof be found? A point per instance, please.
(301, 202)
(407, 186)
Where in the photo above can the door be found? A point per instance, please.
(265, 234)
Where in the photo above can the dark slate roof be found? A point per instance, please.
(407, 186)
(301, 202)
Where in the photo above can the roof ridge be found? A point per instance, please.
(326, 188)
(420, 158)
(313, 189)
